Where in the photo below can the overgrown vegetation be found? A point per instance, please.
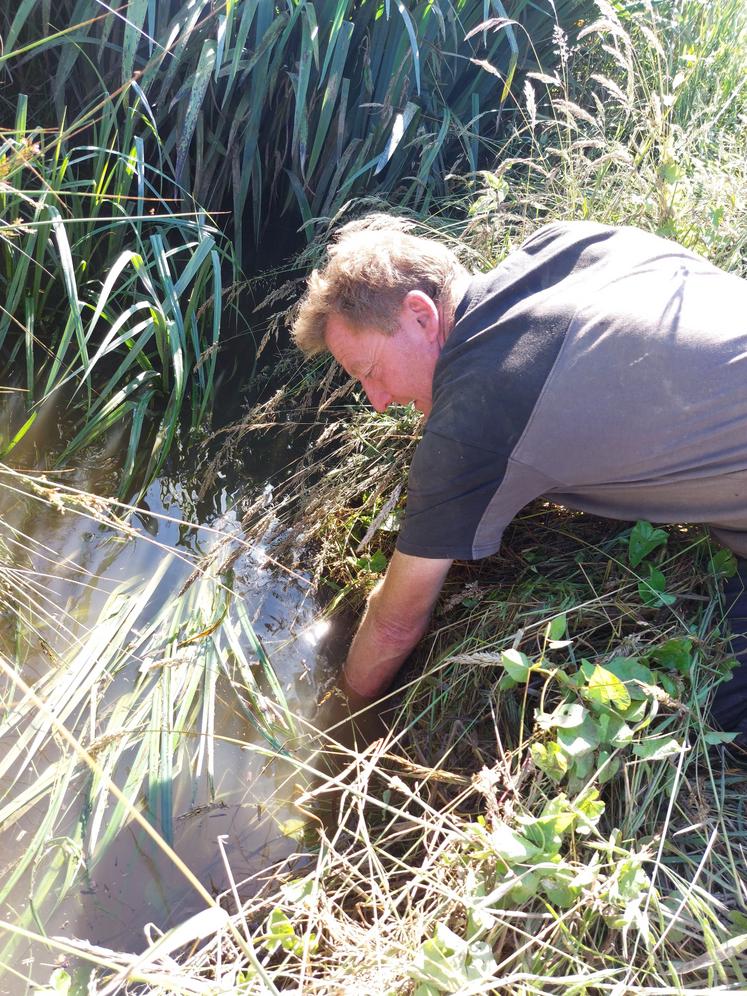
(133, 140)
(550, 811)
(260, 106)
(112, 298)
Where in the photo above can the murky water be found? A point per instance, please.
(230, 804)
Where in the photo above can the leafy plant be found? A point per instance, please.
(112, 301)
(644, 539)
(305, 105)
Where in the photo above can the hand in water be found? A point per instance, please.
(348, 725)
(349, 720)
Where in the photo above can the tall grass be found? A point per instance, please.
(645, 123)
(112, 297)
(303, 105)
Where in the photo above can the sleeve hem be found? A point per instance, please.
(450, 553)
(435, 552)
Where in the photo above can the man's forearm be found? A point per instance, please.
(378, 650)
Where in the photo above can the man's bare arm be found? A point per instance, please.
(396, 617)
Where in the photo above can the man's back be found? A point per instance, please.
(605, 367)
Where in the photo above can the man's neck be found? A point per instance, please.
(449, 304)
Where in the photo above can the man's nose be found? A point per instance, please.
(379, 399)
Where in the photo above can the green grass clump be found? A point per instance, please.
(112, 297)
(644, 124)
(263, 108)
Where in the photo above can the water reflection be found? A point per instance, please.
(70, 566)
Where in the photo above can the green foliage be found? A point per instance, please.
(723, 564)
(306, 104)
(603, 710)
(279, 933)
(446, 963)
(643, 123)
(59, 984)
(644, 539)
(112, 301)
(652, 588)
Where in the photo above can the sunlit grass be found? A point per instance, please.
(463, 852)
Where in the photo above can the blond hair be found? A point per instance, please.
(371, 265)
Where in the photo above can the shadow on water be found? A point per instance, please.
(229, 810)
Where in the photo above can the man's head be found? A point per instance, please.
(383, 306)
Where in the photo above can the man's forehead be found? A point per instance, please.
(351, 347)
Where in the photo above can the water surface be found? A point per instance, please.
(72, 567)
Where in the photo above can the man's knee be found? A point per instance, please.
(734, 539)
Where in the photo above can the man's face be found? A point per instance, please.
(397, 368)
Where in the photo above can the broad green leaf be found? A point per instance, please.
(551, 759)
(525, 889)
(71, 285)
(675, 654)
(441, 961)
(580, 740)
(561, 893)
(614, 730)
(301, 116)
(590, 806)
(605, 689)
(715, 737)
(22, 15)
(582, 767)
(632, 673)
(723, 564)
(556, 629)
(329, 101)
(643, 540)
(511, 846)
(565, 716)
(657, 748)
(508, 25)
(517, 665)
(607, 768)
(652, 590)
(279, 933)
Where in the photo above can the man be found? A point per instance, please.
(603, 367)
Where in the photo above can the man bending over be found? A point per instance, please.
(604, 368)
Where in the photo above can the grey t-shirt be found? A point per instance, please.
(603, 367)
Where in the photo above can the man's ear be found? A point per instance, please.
(423, 309)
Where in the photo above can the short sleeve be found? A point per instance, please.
(451, 486)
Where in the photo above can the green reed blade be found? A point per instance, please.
(135, 14)
(12, 443)
(18, 23)
(331, 92)
(201, 79)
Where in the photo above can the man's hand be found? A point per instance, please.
(396, 617)
(348, 719)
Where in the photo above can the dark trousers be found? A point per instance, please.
(729, 709)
